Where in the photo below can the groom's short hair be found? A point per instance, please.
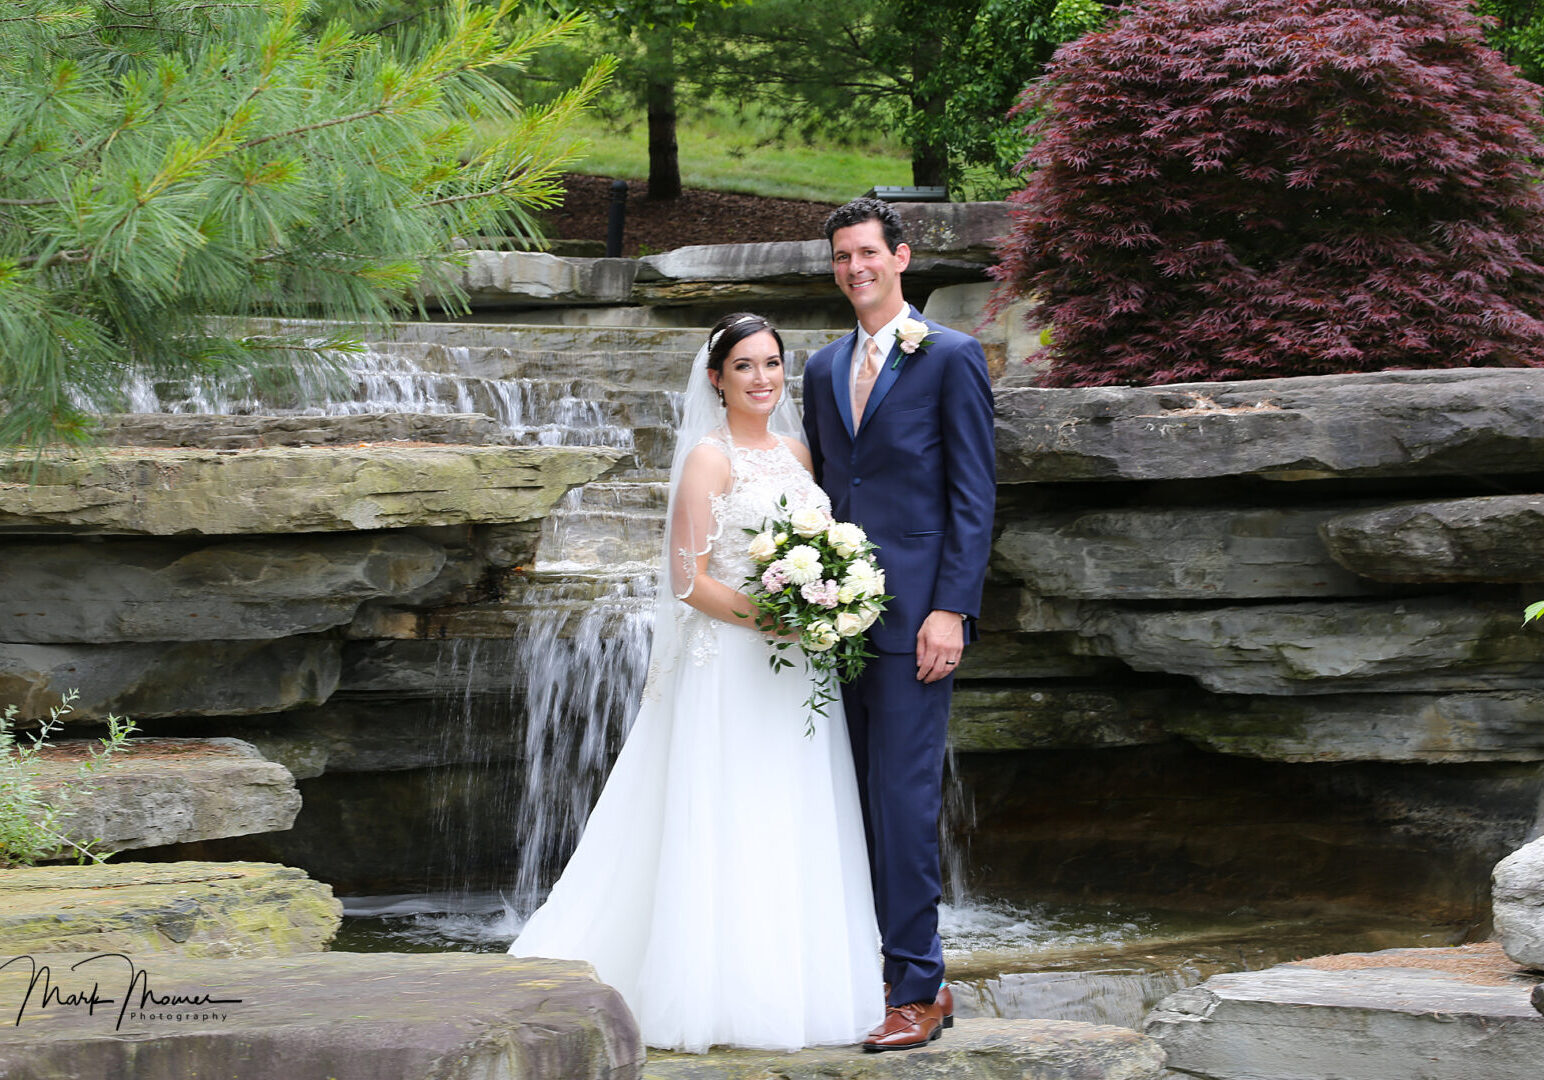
(867, 209)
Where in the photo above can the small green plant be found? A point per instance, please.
(32, 828)
(1533, 611)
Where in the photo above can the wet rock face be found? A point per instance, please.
(1171, 826)
(1517, 902)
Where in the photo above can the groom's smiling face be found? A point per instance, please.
(867, 271)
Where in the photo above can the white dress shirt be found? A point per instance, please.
(885, 337)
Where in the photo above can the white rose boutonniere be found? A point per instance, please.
(913, 336)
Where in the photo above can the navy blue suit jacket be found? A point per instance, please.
(919, 476)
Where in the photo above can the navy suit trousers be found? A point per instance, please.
(898, 728)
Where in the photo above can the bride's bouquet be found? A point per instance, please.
(817, 578)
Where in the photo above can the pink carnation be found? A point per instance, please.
(821, 592)
(773, 578)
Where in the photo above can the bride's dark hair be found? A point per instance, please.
(733, 329)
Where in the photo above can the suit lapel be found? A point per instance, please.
(887, 376)
(841, 378)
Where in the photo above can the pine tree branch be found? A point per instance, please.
(30, 202)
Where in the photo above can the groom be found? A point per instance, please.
(898, 414)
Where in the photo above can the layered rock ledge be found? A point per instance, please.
(346, 1016)
(1438, 1014)
(971, 1050)
(235, 909)
(172, 492)
(1467, 421)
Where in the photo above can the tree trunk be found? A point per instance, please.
(664, 159)
(929, 166)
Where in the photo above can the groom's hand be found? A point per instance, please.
(940, 643)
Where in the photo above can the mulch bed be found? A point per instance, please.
(697, 217)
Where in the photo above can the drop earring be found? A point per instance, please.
(720, 396)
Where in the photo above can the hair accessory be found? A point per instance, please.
(713, 341)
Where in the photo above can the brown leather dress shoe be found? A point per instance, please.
(907, 1026)
(945, 999)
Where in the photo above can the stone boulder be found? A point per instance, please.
(172, 590)
(491, 279)
(177, 678)
(290, 489)
(1182, 553)
(971, 1050)
(1517, 902)
(1466, 421)
(1494, 538)
(1395, 1015)
(344, 1016)
(1418, 644)
(169, 791)
(963, 231)
(190, 909)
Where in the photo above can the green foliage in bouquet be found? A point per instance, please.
(165, 161)
(33, 822)
(819, 587)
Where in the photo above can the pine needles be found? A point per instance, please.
(166, 161)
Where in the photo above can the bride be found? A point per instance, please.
(722, 881)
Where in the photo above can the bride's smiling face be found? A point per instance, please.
(752, 377)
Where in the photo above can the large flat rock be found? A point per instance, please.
(1493, 538)
(1408, 1014)
(172, 492)
(171, 678)
(237, 909)
(169, 791)
(1188, 553)
(98, 591)
(1517, 902)
(342, 1016)
(971, 1050)
(1466, 421)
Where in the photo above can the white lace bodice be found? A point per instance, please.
(760, 478)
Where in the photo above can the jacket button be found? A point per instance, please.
(856, 480)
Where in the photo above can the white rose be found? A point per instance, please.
(846, 594)
(869, 613)
(802, 564)
(762, 547)
(848, 624)
(819, 636)
(910, 333)
(810, 521)
(846, 538)
(781, 538)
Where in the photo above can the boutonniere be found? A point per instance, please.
(913, 336)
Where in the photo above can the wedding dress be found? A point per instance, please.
(722, 882)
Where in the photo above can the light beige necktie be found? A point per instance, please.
(865, 384)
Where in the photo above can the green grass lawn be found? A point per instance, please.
(746, 154)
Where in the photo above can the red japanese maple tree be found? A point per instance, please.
(1240, 189)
